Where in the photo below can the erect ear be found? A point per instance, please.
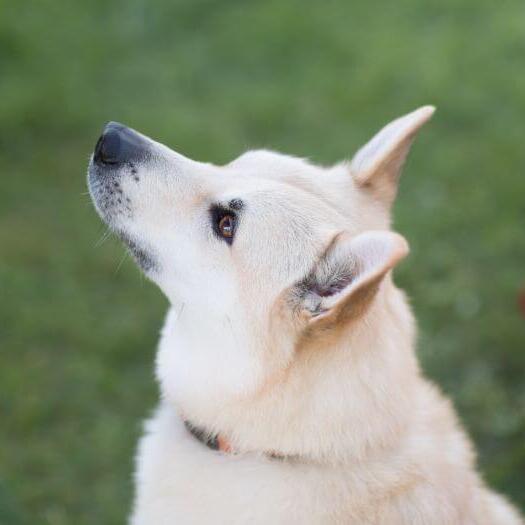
(347, 276)
(377, 165)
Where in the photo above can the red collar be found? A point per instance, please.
(212, 441)
(218, 442)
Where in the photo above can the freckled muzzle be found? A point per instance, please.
(118, 154)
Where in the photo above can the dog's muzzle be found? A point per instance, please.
(120, 152)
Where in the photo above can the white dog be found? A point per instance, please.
(290, 389)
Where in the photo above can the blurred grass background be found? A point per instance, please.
(79, 325)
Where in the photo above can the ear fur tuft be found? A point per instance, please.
(348, 275)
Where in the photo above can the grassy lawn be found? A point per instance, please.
(78, 323)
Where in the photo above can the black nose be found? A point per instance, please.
(119, 144)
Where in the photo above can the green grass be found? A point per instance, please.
(78, 329)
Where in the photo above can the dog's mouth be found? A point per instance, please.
(118, 153)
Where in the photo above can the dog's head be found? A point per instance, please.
(256, 255)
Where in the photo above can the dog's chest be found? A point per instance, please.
(180, 480)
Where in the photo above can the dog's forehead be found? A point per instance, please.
(264, 162)
(271, 179)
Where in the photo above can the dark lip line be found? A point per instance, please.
(146, 261)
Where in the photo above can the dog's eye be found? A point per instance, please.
(226, 226)
(224, 222)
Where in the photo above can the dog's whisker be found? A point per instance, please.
(124, 257)
(179, 313)
(105, 236)
(232, 330)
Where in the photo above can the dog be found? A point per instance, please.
(291, 393)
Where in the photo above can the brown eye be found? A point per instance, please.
(226, 226)
(223, 222)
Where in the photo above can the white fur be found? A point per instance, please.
(330, 384)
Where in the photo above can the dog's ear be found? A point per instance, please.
(347, 276)
(377, 165)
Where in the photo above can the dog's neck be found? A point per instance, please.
(321, 410)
